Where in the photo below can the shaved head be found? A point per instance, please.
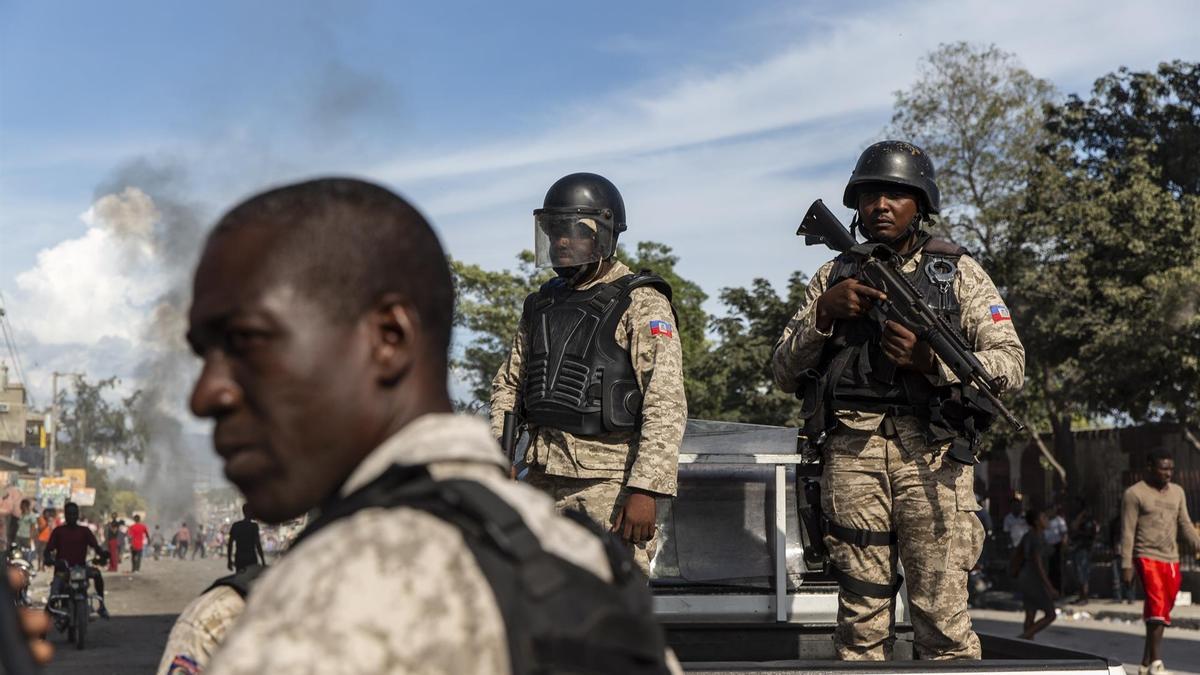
(346, 243)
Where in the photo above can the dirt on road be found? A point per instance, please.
(143, 607)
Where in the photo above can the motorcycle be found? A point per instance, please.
(71, 608)
(16, 559)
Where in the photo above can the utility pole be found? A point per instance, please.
(54, 417)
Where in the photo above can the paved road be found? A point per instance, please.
(1115, 639)
(143, 608)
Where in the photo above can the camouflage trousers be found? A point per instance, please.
(899, 483)
(600, 498)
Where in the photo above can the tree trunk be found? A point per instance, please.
(1064, 450)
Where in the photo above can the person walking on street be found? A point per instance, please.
(45, 525)
(156, 542)
(892, 492)
(595, 370)
(1084, 531)
(245, 547)
(1154, 514)
(1056, 535)
(1121, 591)
(1037, 593)
(112, 539)
(138, 534)
(26, 530)
(1015, 523)
(182, 538)
(198, 542)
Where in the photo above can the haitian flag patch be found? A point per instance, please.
(1000, 313)
(184, 665)
(661, 328)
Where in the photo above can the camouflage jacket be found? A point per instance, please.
(647, 457)
(199, 630)
(397, 590)
(986, 324)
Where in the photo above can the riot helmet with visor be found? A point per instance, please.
(579, 222)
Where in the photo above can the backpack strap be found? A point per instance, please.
(241, 581)
(520, 572)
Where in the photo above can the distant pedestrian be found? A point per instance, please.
(1120, 589)
(112, 537)
(245, 545)
(198, 543)
(1056, 538)
(182, 538)
(1015, 525)
(1037, 593)
(26, 529)
(156, 542)
(1084, 531)
(1153, 515)
(45, 526)
(138, 533)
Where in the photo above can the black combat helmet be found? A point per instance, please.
(898, 163)
(579, 222)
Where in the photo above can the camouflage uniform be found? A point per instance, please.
(397, 590)
(199, 630)
(884, 476)
(595, 472)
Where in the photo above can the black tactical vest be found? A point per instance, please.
(860, 376)
(558, 617)
(577, 378)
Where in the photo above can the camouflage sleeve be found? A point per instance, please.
(987, 324)
(506, 385)
(199, 630)
(799, 348)
(658, 361)
(407, 600)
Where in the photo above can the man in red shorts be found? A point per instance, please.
(1153, 514)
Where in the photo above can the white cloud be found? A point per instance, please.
(100, 285)
(720, 165)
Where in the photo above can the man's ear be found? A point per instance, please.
(394, 331)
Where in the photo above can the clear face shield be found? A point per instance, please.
(572, 237)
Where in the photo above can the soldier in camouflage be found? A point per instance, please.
(596, 370)
(322, 312)
(890, 492)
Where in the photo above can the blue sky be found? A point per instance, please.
(720, 121)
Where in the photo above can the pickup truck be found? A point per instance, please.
(736, 593)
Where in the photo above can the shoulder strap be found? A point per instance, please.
(241, 581)
(945, 248)
(647, 278)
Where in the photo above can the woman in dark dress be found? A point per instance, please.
(1036, 590)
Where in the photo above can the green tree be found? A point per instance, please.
(981, 117)
(94, 423)
(979, 114)
(489, 307)
(125, 502)
(1106, 274)
(736, 372)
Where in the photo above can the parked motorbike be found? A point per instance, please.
(16, 559)
(72, 603)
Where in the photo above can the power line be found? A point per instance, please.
(11, 341)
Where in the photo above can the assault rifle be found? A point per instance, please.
(879, 267)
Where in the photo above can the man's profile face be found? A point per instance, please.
(886, 210)
(284, 383)
(1161, 471)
